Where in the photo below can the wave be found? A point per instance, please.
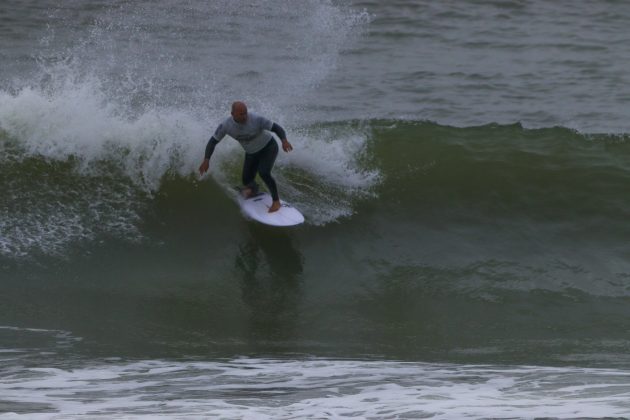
(85, 172)
(504, 170)
(95, 137)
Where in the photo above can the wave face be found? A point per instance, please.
(513, 185)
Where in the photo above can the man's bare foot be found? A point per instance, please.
(247, 192)
(275, 206)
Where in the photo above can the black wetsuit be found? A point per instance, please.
(260, 162)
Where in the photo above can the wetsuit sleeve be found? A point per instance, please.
(279, 131)
(210, 147)
(218, 135)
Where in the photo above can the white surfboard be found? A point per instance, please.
(257, 208)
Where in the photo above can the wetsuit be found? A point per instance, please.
(260, 148)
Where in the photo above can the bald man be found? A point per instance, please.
(253, 132)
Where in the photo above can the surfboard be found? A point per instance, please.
(257, 208)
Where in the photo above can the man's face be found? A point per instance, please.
(240, 115)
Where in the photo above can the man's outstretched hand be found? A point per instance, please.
(286, 146)
(204, 166)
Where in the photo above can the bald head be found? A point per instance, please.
(239, 112)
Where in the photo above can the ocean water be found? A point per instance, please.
(463, 168)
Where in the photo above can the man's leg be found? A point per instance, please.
(250, 167)
(267, 159)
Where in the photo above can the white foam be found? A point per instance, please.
(333, 157)
(79, 121)
(316, 388)
(335, 177)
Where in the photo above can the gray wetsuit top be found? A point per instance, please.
(253, 135)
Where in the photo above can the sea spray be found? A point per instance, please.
(108, 102)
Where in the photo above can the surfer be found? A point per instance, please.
(252, 131)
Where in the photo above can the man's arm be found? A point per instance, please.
(282, 135)
(218, 135)
(212, 143)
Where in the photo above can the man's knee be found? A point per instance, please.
(265, 174)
